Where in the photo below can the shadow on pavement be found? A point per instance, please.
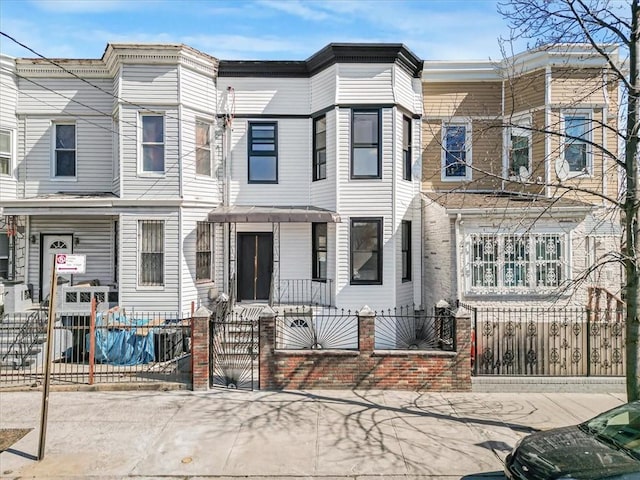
(484, 476)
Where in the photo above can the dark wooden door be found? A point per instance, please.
(255, 264)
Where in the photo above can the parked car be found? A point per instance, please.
(605, 447)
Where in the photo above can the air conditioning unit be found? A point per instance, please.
(16, 297)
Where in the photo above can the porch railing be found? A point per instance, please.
(302, 292)
(408, 329)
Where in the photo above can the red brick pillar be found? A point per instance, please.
(200, 344)
(267, 335)
(366, 330)
(462, 367)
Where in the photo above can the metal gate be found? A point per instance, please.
(234, 359)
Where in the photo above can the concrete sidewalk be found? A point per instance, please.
(295, 434)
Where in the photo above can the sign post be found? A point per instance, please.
(62, 263)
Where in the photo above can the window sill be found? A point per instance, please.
(406, 280)
(364, 282)
(261, 182)
(455, 179)
(64, 179)
(368, 177)
(151, 288)
(154, 175)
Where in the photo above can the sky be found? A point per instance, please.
(256, 29)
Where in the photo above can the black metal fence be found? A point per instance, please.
(302, 292)
(409, 329)
(549, 341)
(122, 347)
(304, 328)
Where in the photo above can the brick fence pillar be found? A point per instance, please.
(200, 344)
(366, 330)
(267, 335)
(462, 368)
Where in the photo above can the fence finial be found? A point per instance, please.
(366, 312)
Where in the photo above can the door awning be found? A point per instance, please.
(269, 214)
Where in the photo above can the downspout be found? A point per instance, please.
(547, 138)
(394, 192)
(180, 192)
(457, 270)
(605, 121)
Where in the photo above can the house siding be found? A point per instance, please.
(525, 92)
(8, 120)
(294, 165)
(152, 299)
(149, 84)
(462, 99)
(96, 241)
(268, 96)
(139, 185)
(365, 84)
(323, 88)
(323, 192)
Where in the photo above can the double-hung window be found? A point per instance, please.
(516, 263)
(320, 148)
(151, 252)
(4, 256)
(406, 148)
(203, 148)
(263, 152)
(456, 156)
(203, 251)
(366, 251)
(366, 159)
(577, 134)
(153, 141)
(406, 251)
(5, 152)
(64, 161)
(520, 150)
(319, 248)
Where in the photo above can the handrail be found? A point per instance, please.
(29, 331)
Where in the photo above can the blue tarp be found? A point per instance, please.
(120, 341)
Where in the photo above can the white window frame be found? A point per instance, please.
(9, 154)
(206, 147)
(468, 151)
(139, 253)
(521, 127)
(209, 278)
(54, 127)
(587, 140)
(141, 144)
(531, 264)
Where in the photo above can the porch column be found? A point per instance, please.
(200, 325)
(462, 366)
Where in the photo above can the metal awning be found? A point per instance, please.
(270, 214)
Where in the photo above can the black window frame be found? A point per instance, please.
(261, 153)
(406, 250)
(317, 175)
(379, 229)
(316, 249)
(406, 148)
(377, 145)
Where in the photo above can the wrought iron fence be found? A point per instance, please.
(304, 328)
(233, 361)
(302, 292)
(408, 329)
(127, 347)
(549, 341)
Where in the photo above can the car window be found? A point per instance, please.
(620, 426)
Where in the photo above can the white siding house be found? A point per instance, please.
(181, 177)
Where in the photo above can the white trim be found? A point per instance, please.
(468, 151)
(13, 140)
(141, 171)
(500, 234)
(209, 122)
(520, 125)
(588, 139)
(52, 166)
(138, 221)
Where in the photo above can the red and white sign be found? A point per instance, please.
(70, 263)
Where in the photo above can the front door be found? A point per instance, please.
(52, 244)
(255, 264)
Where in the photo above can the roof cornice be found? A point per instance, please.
(381, 53)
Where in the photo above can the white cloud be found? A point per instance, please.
(90, 6)
(295, 8)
